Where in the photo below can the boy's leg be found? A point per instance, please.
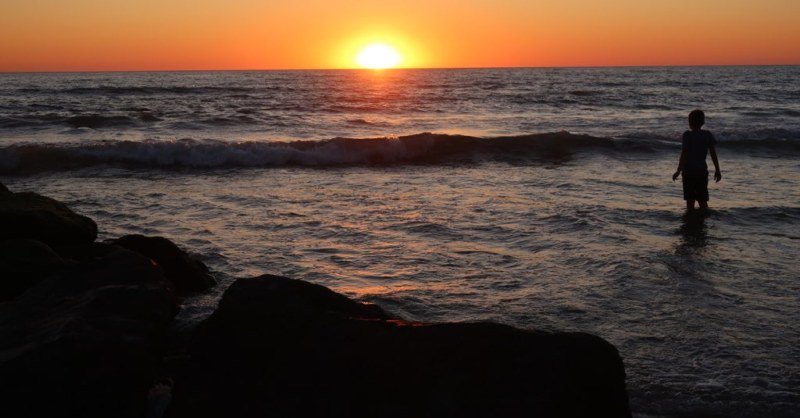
(702, 192)
(688, 190)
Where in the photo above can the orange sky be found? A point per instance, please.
(59, 35)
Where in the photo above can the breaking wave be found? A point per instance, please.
(424, 148)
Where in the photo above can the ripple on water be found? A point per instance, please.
(704, 314)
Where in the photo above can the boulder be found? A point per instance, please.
(278, 347)
(31, 216)
(87, 340)
(185, 272)
(23, 264)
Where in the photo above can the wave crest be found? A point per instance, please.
(425, 148)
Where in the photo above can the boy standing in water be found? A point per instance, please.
(692, 164)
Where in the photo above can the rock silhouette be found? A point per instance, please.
(24, 263)
(279, 347)
(187, 273)
(87, 341)
(29, 215)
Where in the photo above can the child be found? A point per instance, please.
(692, 164)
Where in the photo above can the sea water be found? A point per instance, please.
(457, 195)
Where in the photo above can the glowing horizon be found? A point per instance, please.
(94, 35)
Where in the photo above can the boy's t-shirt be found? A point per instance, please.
(696, 145)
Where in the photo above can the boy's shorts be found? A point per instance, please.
(695, 185)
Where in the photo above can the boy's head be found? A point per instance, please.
(696, 119)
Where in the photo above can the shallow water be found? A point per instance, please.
(704, 312)
(591, 238)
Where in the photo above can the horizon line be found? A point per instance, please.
(394, 69)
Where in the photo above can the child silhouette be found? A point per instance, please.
(696, 144)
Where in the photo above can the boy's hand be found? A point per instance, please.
(717, 176)
(678, 173)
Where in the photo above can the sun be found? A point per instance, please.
(378, 57)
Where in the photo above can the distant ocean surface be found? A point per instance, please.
(458, 195)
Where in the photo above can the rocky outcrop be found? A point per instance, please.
(86, 341)
(185, 272)
(28, 215)
(84, 325)
(23, 264)
(84, 328)
(279, 347)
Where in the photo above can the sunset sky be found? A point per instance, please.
(57, 35)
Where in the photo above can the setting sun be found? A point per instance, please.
(378, 56)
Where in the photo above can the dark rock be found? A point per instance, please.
(23, 264)
(278, 347)
(86, 341)
(85, 253)
(186, 273)
(4, 189)
(32, 216)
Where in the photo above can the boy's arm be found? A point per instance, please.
(717, 173)
(680, 165)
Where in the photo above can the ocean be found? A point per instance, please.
(540, 198)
